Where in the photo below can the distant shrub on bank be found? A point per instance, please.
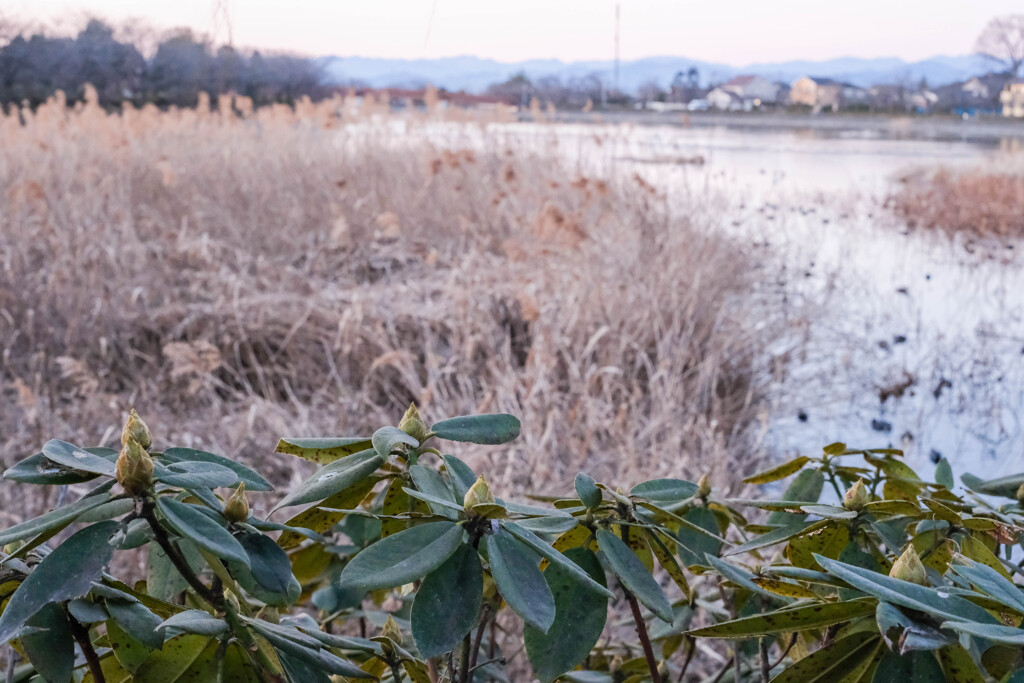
(982, 203)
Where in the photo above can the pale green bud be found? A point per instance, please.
(136, 429)
(857, 496)
(909, 568)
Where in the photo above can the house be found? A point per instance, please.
(726, 100)
(757, 90)
(976, 88)
(826, 94)
(888, 98)
(922, 101)
(975, 96)
(816, 93)
(1012, 98)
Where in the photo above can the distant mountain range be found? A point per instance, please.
(474, 74)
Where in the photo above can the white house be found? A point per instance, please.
(725, 100)
(756, 89)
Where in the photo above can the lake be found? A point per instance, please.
(932, 324)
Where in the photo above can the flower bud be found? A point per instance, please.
(391, 630)
(1020, 495)
(703, 486)
(857, 496)
(479, 494)
(136, 429)
(615, 666)
(909, 568)
(237, 507)
(134, 468)
(412, 425)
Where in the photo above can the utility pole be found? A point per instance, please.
(618, 6)
(222, 20)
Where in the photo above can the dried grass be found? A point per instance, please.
(977, 203)
(239, 279)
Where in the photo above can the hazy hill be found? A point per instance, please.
(475, 74)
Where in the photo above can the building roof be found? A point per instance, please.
(741, 80)
(732, 96)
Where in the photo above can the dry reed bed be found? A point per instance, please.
(238, 279)
(977, 203)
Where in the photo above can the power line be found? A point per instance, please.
(430, 26)
(221, 21)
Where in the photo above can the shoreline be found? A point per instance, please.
(991, 131)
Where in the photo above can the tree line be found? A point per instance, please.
(33, 67)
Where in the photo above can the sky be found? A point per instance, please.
(735, 32)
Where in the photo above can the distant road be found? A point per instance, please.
(991, 130)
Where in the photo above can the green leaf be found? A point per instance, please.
(633, 574)
(548, 525)
(86, 611)
(1003, 486)
(130, 653)
(448, 603)
(958, 665)
(532, 541)
(294, 643)
(914, 667)
(54, 519)
(270, 565)
(997, 633)
(664, 490)
(299, 671)
(461, 475)
(944, 474)
(829, 511)
(489, 430)
(911, 595)
(800, 574)
(586, 489)
(442, 505)
(695, 546)
(430, 482)
(990, 582)
(403, 557)
(778, 472)
(194, 621)
(76, 458)
(783, 533)
(253, 480)
(190, 522)
(137, 621)
(38, 469)
(319, 520)
(333, 478)
(169, 663)
(111, 510)
(833, 661)
(520, 582)
(743, 578)
(580, 616)
(387, 439)
(323, 451)
(67, 572)
(189, 475)
(50, 647)
(790, 619)
(163, 581)
(806, 487)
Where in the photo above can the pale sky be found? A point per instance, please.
(736, 32)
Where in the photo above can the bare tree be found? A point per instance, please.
(651, 91)
(1002, 41)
